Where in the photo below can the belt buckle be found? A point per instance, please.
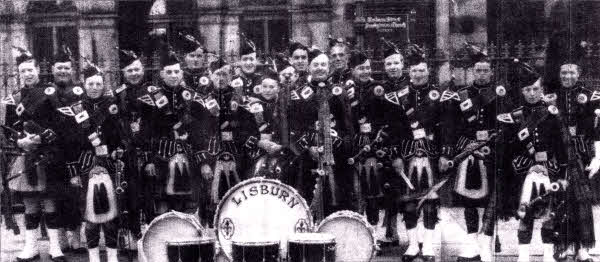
(573, 130)
(365, 128)
(226, 136)
(264, 136)
(419, 133)
(101, 150)
(541, 156)
(482, 135)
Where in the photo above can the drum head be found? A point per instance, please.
(263, 209)
(169, 227)
(353, 235)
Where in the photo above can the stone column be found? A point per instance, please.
(341, 27)
(318, 21)
(209, 26)
(230, 35)
(442, 24)
(210, 19)
(300, 30)
(100, 30)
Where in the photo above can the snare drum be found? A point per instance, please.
(353, 234)
(318, 247)
(198, 250)
(255, 251)
(261, 207)
(168, 227)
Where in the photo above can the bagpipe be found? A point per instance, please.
(5, 192)
(28, 169)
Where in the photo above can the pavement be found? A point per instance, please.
(449, 233)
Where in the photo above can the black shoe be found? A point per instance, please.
(59, 259)
(80, 250)
(428, 258)
(388, 243)
(34, 258)
(409, 258)
(469, 259)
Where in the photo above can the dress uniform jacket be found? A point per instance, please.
(303, 120)
(37, 104)
(577, 105)
(534, 135)
(477, 107)
(99, 136)
(417, 119)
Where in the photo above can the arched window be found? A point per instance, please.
(52, 24)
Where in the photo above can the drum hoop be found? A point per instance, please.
(312, 241)
(244, 183)
(254, 243)
(326, 238)
(195, 241)
(351, 214)
(172, 213)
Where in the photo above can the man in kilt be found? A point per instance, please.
(40, 170)
(478, 105)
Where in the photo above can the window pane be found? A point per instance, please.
(255, 31)
(278, 35)
(42, 43)
(68, 36)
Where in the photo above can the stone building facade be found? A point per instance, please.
(93, 28)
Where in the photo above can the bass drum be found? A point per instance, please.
(168, 227)
(354, 238)
(264, 208)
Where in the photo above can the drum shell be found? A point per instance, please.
(170, 226)
(253, 252)
(200, 250)
(321, 250)
(360, 247)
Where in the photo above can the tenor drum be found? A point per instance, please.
(196, 250)
(168, 227)
(255, 251)
(261, 207)
(353, 234)
(318, 247)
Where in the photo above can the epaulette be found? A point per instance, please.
(121, 88)
(595, 96)
(392, 97)
(449, 95)
(514, 116)
(307, 92)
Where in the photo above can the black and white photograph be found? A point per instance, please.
(300, 130)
